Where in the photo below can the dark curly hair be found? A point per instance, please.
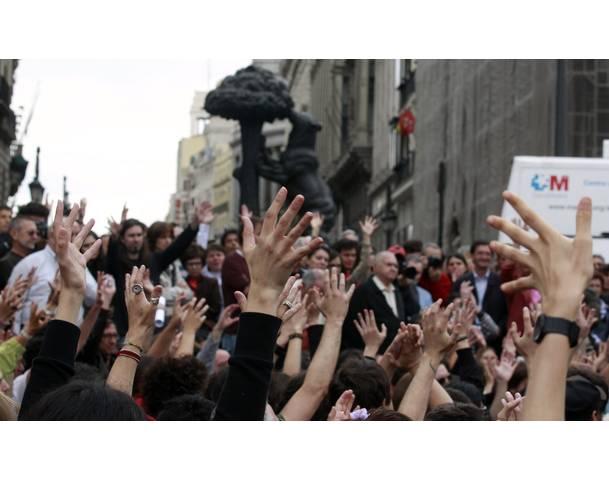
(187, 407)
(168, 378)
(366, 378)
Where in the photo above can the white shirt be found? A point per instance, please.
(203, 235)
(46, 269)
(389, 292)
(481, 284)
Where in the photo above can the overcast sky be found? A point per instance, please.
(112, 127)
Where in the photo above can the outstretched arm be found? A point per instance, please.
(141, 326)
(437, 343)
(54, 366)
(270, 258)
(335, 303)
(560, 269)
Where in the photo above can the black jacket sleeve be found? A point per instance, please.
(350, 336)
(245, 393)
(467, 368)
(54, 366)
(174, 251)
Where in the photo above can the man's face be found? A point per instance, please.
(215, 259)
(433, 252)
(26, 235)
(386, 268)
(348, 258)
(133, 239)
(109, 341)
(596, 286)
(598, 263)
(482, 257)
(194, 267)
(5, 220)
(231, 243)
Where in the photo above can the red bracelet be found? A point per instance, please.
(128, 353)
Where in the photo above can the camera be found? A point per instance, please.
(434, 262)
(410, 273)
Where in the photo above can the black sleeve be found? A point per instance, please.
(176, 249)
(54, 366)
(467, 368)
(314, 332)
(5, 274)
(88, 354)
(350, 336)
(245, 392)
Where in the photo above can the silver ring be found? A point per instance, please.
(137, 288)
(288, 304)
(154, 300)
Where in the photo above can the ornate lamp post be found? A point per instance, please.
(36, 188)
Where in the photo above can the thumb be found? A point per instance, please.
(241, 300)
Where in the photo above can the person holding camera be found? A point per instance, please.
(434, 278)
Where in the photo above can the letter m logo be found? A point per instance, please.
(559, 184)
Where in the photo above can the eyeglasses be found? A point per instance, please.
(110, 335)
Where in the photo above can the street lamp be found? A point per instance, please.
(390, 221)
(36, 188)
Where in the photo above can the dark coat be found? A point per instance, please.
(368, 296)
(494, 302)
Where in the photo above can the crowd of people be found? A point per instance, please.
(272, 321)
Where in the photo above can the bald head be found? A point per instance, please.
(386, 267)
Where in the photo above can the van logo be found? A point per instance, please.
(552, 183)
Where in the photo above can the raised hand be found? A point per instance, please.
(246, 212)
(194, 314)
(335, 301)
(435, 333)
(38, 319)
(341, 411)
(410, 347)
(204, 214)
(560, 267)
(369, 226)
(316, 223)
(512, 406)
(504, 370)
(226, 318)
(72, 263)
(106, 288)
(140, 310)
(288, 295)
(271, 257)
(524, 342)
(373, 337)
(586, 317)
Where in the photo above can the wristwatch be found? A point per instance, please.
(547, 324)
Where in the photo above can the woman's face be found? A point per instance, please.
(319, 259)
(87, 244)
(489, 358)
(456, 267)
(109, 340)
(162, 242)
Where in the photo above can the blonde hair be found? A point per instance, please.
(8, 408)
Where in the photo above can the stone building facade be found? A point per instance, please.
(7, 124)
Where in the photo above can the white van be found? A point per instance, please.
(553, 187)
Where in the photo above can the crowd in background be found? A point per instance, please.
(275, 322)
